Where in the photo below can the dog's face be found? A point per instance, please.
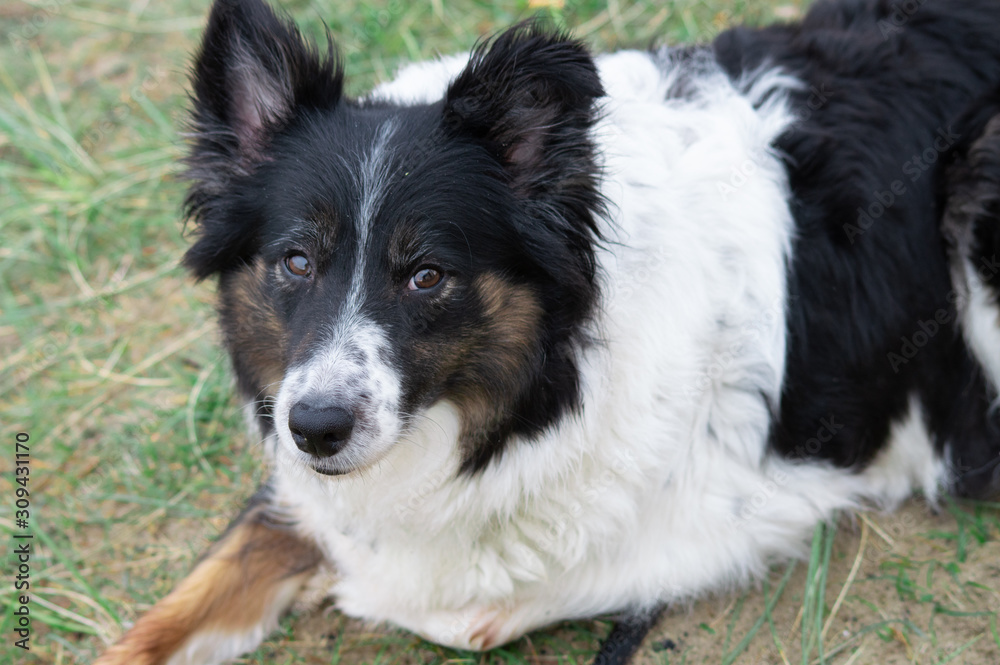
(374, 259)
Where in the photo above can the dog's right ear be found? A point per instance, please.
(529, 96)
(253, 73)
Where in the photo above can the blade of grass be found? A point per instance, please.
(958, 652)
(808, 596)
(848, 582)
(769, 603)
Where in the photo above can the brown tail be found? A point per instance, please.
(231, 599)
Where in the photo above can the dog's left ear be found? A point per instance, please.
(253, 73)
(529, 95)
(252, 76)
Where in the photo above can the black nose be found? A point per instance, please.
(320, 431)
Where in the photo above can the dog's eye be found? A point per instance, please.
(426, 277)
(298, 265)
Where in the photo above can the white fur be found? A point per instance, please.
(663, 487)
(352, 353)
(371, 184)
(908, 463)
(981, 322)
(421, 82)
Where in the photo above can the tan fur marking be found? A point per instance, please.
(231, 589)
(513, 313)
(512, 316)
(254, 331)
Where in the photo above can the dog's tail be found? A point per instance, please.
(971, 221)
(971, 228)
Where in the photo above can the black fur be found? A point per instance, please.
(535, 119)
(972, 230)
(886, 83)
(627, 636)
(499, 178)
(246, 47)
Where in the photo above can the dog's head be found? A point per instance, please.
(373, 258)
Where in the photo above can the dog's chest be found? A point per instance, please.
(415, 533)
(699, 213)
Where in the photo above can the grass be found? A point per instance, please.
(109, 360)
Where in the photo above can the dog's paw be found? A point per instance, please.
(474, 628)
(491, 628)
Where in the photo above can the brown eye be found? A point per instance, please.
(425, 278)
(298, 265)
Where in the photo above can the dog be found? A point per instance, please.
(534, 335)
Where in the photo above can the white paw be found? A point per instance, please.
(470, 629)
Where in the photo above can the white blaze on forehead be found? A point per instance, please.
(374, 173)
(371, 180)
(349, 367)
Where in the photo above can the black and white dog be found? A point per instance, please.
(534, 335)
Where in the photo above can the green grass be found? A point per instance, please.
(109, 359)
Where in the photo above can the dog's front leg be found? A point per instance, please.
(232, 598)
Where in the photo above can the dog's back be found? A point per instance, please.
(874, 311)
